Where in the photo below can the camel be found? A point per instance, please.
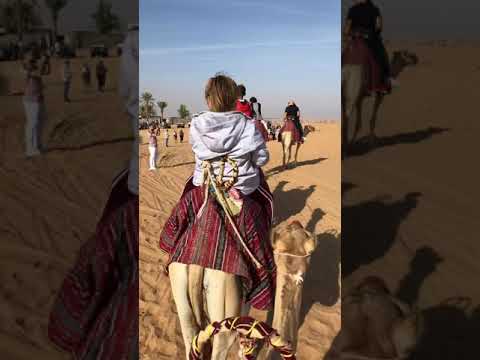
(354, 89)
(193, 287)
(376, 325)
(287, 143)
(202, 296)
(308, 129)
(293, 246)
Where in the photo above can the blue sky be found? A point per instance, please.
(279, 49)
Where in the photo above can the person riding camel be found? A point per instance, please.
(224, 216)
(292, 112)
(245, 107)
(257, 116)
(366, 19)
(242, 104)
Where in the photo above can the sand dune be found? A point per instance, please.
(413, 199)
(309, 193)
(51, 203)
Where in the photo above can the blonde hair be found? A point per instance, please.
(221, 93)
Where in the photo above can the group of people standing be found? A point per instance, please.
(35, 69)
(100, 74)
(153, 133)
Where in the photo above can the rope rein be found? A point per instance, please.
(250, 330)
(291, 255)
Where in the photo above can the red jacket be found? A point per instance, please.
(244, 107)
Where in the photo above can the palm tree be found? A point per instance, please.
(105, 20)
(55, 7)
(147, 105)
(162, 105)
(19, 16)
(183, 111)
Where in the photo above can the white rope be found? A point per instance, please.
(291, 255)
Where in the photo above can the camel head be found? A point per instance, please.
(293, 239)
(402, 59)
(292, 245)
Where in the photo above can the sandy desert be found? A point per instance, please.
(50, 204)
(409, 204)
(409, 208)
(309, 193)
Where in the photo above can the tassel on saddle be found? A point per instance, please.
(222, 190)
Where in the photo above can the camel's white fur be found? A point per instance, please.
(293, 246)
(204, 295)
(191, 285)
(287, 144)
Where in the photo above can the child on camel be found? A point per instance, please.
(245, 107)
(227, 186)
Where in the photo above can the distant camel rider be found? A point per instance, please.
(364, 17)
(292, 111)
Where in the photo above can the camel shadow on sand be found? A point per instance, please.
(290, 202)
(321, 280)
(363, 147)
(450, 333)
(370, 228)
(278, 169)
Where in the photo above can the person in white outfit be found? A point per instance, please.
(34, 105)
(152, 147)
(166, 135)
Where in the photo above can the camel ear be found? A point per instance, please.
(273, 238)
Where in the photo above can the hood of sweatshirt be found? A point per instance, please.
(216, 134)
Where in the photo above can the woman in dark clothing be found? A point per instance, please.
(101, 72)
(292, 110)
(256, 108)
(364, 17)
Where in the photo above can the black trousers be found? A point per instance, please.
(66, 90)
(101, 82)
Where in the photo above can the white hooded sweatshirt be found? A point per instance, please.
(214, 135)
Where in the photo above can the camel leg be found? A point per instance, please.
(288, 146)
(358, 124)
(284, 152)
(296, 153)
(178, 274)
(344, 129)
(349, 111)
(224, 300)
(352, 84)
(289, 153)
(373, 119)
